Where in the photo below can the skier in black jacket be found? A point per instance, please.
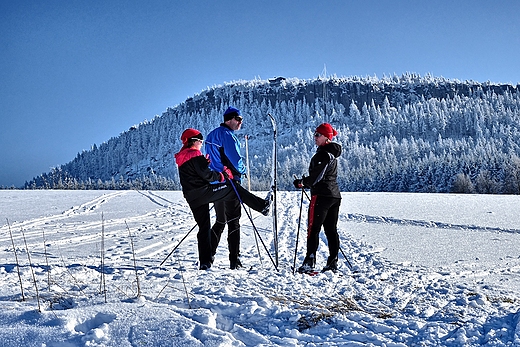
(195, 177)
(325, 198)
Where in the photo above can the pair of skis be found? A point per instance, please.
(274, 188)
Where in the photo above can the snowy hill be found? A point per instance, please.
(428, 270)
(401, 134)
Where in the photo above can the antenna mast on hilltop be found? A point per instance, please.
(324, 72)
(324, 77)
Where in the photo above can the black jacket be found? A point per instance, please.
(323, 171)
(195, 174)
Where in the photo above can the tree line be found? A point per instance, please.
(402, 134)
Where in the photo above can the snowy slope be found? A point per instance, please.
(429, 270)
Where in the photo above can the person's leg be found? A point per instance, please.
(313, 231)
(216, 194)
(218, 226)
(201, 215)
(224, 191)
(224, 194)
(330, 226)
(233, 214)
(316, 217)
(318, 210)
(256, 203)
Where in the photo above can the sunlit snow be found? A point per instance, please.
(428, 270)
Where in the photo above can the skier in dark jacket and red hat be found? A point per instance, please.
(325, 198)
(195, 177)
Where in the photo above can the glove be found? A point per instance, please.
(298, 183)
(227, 173)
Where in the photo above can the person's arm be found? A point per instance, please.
(319, 163)
(231, 147)
(200, 164)
(213, 147)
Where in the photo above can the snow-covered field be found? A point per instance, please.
(428, 270)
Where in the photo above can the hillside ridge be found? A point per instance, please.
(399, 133)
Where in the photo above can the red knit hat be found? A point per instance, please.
(190, 133)
(327, 130)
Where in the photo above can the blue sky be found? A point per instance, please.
(75, 73)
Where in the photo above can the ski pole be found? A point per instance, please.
(348, 262)
(173, 250)
(298, 232)
(341, 250)
(184, 238)
(252, 223)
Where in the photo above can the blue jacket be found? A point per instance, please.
(223, 148)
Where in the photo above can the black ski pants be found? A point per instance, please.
(200, 208)
(227, 212)
(323, 211)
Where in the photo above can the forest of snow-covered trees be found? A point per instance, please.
(402, 133)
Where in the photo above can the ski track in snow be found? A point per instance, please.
(378, 303)
(421, 223)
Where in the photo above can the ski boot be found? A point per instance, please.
(332, 265)
(308, 265)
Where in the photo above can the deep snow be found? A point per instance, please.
(428, 270)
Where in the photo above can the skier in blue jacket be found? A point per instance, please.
(195, 176)
(223, 148)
